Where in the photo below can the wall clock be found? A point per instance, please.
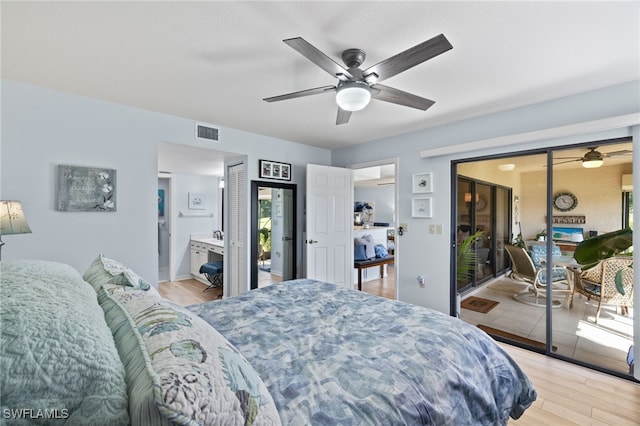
(480, 204)
(564, 201)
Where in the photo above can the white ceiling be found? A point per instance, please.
(215, 61)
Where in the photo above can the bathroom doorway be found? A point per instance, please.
(273, 233)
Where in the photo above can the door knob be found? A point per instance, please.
(311, 241)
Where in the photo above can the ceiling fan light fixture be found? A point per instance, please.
(592, 164)
(353, 96)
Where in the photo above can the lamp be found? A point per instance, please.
(353, 95)
(592, 164)
(12, 220)
(506, 167)
(467, 197)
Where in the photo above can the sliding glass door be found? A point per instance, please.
(555, 198)
(483, 225)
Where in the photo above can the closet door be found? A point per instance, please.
(235, 259)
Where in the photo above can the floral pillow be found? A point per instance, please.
(108, 271)
(197, 376)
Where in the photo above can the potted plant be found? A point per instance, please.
(593, 250)
(467, 259)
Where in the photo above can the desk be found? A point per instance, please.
(363, 264)
(567, 246)
(204, 250)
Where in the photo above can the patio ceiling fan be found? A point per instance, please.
(593, 159)
(356, 87)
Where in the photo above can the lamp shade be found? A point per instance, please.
(12, 220)
(353, 96)
(592, 164)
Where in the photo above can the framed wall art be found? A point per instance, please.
(421, 207)
(275, 170)
(196, 201)
(422, 183)
(86, 189)
(160, 202)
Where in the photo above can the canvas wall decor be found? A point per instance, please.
(86, 189)
(160, 202)
(365, 211)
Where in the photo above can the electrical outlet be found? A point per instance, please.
(405, 227)
(432, 229)
(420, 280)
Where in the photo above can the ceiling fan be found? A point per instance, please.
(593, 159)
(355, 86)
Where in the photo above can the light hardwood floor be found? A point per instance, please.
(567, 394)
(188, 292)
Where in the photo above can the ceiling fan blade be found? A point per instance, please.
(568, 161)
(617, 153)
(407, 59)
(317, 57)
(301, 93)
(395, 96)
(343, 116)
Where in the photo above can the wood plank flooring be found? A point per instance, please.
(567, 394)
(188, 292)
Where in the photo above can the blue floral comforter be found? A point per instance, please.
(333, 356)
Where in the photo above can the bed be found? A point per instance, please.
(331, 355)
(105, 348)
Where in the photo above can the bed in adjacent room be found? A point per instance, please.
(105, 348)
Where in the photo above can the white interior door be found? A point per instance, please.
(329, 224)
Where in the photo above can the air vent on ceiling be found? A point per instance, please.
(206, 132)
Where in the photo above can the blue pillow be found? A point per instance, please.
(359, 252)
(381, 250)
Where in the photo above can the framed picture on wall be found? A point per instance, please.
(422, 183)
(275, 170)
(196, 201)
(421, 207)
(86, 189)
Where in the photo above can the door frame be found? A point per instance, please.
(255, 184)
(396, 210)
(168, 215)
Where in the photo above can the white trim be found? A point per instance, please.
(553, 132)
